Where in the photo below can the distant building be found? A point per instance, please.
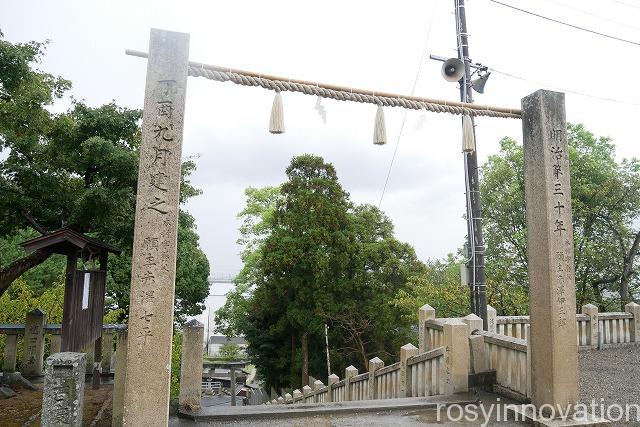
(217, 341)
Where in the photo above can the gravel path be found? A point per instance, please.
(614, 376)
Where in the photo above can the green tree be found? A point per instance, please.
(256, 218)
(77, 169)
(296, 278)
(605, 196)
(230, 351)
(306, 258)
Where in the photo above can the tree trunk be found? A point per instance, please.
(305, 359)
(627, 271)
(292, 371)
(14, 270)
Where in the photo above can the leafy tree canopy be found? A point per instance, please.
(77, 169)
(605, 196)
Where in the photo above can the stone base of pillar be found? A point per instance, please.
(528, 414)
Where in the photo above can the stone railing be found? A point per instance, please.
(442, 370)
(613, 329)
(33, 333)
(508, 356)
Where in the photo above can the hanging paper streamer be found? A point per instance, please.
(276, 123)
(421, 121)
(379, 128)
(468, 141)
(320, 108)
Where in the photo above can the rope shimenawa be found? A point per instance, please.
(340, 93)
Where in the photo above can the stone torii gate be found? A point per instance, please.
(551, 269)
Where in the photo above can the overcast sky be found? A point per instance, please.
(369, 44)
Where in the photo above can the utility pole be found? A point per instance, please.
(326, 341)
(475, 260)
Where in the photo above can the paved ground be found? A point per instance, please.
(409, 416)
(611, 376)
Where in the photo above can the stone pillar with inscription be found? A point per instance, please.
(63, 393)
(33, 343)
(552, 302)
(153, 270)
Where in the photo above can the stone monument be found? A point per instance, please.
(63, 393)
(153, 271)
(552, 302)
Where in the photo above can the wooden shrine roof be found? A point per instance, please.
(66, 240)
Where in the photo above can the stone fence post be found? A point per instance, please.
(634, 309)
(350, 372)
(33, 343)
(317, 385)
(473, 322)
(426, 312)
(119, 379)
(333, 378)
(306, 392)
(374, 364)
(107, 351)
(55, 343)
(406, 351)
(297, 395)
(63, 394)
(191, 366)
(592, 326)
(492, 319)
(456, 357)
(10, 353)
(529, 379)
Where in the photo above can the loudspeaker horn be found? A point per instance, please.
(452, 69)
(478, 84)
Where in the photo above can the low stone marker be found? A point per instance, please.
(33, 343)
(63, 394)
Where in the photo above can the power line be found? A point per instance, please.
(557, 21)
(623, 24)
(627, 4)
(588, 95)
(404, 119)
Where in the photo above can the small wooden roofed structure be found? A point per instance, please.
(65, 241)
(84, 289)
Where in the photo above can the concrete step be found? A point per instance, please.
(254, 412)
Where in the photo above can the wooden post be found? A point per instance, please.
(153, 269)
(232, 373)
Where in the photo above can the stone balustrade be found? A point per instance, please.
(32, 335)
(416, 374)
(508, 356)
(613, 328)
(442, 361)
